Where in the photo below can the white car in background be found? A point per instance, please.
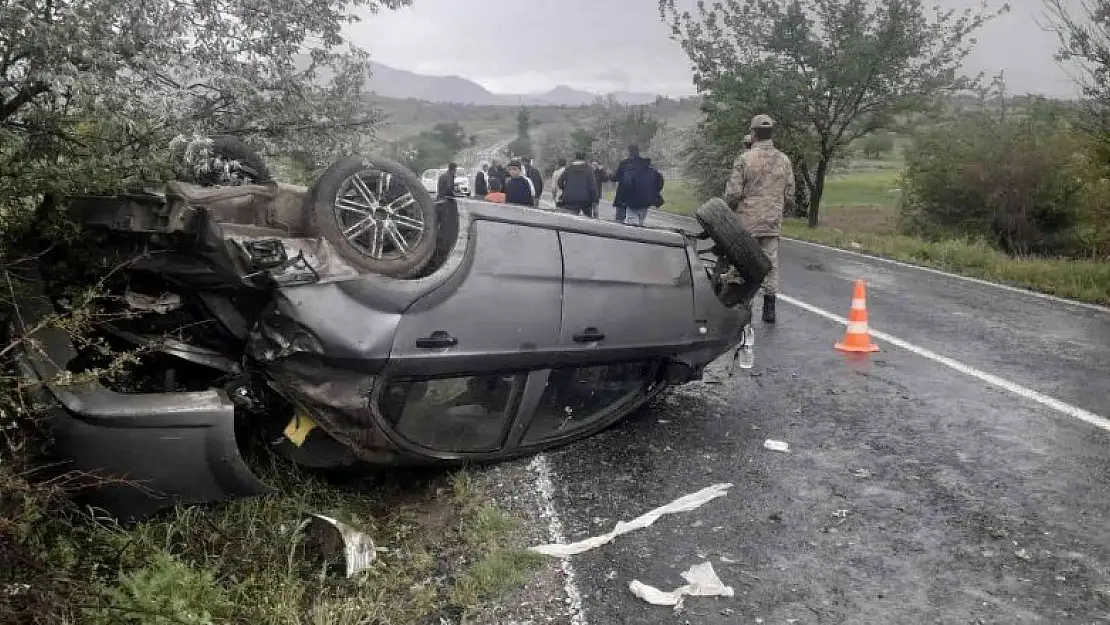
(430, 180)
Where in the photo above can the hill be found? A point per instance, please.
(390, 82)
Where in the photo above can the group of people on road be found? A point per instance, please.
(760, 189)
(520, 183)
(576, 187)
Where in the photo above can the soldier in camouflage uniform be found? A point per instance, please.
(760, 189)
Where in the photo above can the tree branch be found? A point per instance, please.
(22, 98)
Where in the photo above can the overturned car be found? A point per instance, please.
(358, 321)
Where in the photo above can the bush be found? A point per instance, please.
(1017, 183)
(877, 145)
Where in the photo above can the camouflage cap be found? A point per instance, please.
(762, 121)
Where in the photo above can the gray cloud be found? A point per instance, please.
(606, 45)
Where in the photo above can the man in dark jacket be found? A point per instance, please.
(579, 187)
(518, 190)
(481, 182)
(535, 176)
(445, 187)
(498, 171)
(639, 187)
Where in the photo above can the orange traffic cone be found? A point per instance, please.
(858, 337)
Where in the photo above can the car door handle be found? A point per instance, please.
(589, 335)
(438, 340)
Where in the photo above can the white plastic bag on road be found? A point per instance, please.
(682, 504)
(702, 582)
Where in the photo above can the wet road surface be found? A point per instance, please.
(913, 492)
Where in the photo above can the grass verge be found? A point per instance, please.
(859, 213)
(444, 551)
(1086, 281)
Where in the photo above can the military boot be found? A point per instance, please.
(769, 309)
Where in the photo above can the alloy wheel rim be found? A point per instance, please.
(378, 215)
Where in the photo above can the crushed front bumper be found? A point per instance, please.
(135, 454)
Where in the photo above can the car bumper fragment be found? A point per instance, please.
(134, 454)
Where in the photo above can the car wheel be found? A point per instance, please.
(734, 243)
(377, 215)
(250, 168)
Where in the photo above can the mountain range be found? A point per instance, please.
(391, 82)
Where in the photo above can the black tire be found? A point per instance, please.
(734, 243)
(394, 182)
(251, 165)
(250, 168)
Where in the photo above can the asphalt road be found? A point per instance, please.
(918, 488)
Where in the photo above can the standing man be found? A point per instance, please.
(445, 186)
(556, 192)
(601, 176)
(481, 182)
(638, 187)
(498, 171)
(519, 189)
(760, 189)
(579, 187)
(633, 184)
(535, 176)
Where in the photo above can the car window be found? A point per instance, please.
(578, 397)
(452, 414)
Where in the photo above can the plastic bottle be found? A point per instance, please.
(746, 356)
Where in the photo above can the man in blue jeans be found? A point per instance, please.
(639, 187)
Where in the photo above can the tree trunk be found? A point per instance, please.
(818, 190)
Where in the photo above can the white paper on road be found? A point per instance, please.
(702, 581)
(682, 504)
(776, 446)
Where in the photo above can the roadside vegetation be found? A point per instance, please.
(897, 156)
(123, 111)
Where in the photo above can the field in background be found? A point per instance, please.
(860, 213)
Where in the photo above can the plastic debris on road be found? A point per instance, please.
(776, 446)
(682, 504)
(702, 581)
(359, 551)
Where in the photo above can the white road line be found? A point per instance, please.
(1004, 287)
(993, 380)
(542, 468)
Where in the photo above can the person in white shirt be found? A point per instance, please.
(556, 192)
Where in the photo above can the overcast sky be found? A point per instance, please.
(530, 46)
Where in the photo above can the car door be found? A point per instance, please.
(502, 309)
(461, 356)
(626, 297)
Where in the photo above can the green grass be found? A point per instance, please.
(859, 212)
(867, 188)
(444, 550)
(1087, 281)
(679, 197)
